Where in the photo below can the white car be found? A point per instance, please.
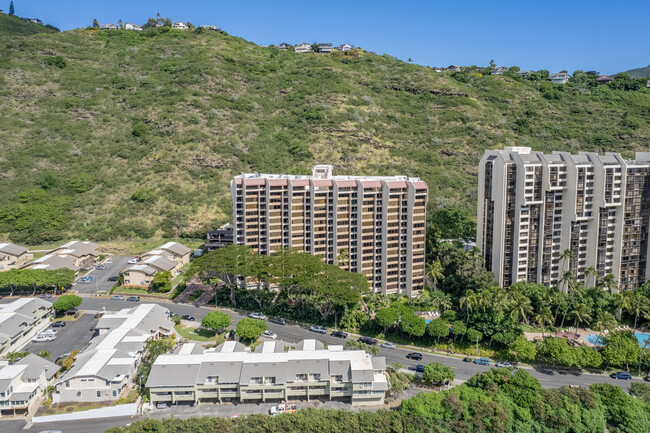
(258, 316)
(132, 261)
(49, 332)
(270, 334)
(388, 345)
(42, 338)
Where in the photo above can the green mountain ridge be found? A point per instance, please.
(118, 134)
(639, 72)
(12, 26)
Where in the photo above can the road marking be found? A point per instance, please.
(545, 380)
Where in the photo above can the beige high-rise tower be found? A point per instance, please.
(374, 225)
(532, 207)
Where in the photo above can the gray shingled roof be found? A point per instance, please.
(36, 365)
(12, 249)
(52, 262)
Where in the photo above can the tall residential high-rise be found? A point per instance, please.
(374, 225)
(532, 208)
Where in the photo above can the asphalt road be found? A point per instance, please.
(294, 333)
(75, 335)
(114, 266)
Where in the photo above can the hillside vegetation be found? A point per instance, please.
(12, 26)
(118, 134)
(639, 72)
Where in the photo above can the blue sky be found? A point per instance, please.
(572, 34)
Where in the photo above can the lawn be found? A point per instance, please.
(195, 334)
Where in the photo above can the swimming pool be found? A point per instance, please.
(642, 337)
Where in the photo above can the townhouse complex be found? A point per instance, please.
(231, 372)
(22, 382)
(105, 368)
(374, 225)
(73, 255)
(532, 207)
(20, 320)
(13, 256)
(170, 256)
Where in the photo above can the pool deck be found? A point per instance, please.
(582, 334)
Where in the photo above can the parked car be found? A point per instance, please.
(388, 345)
(100, 267)
(624, 375)
(419, 368)
(71, 311)
(132, 261)
(49, 332)
(41, 338)
(161, 405)
(283, 408)
(58, 324)
(339, 334)
(504, 364)
(318, 328)
(113, 278)
(257, 315)
(647, 378)
(368, 340)
(482, 361)
(133, 298)
(468, 359)
(188, 317)
(172, 314)
(86, 279)
(415, 356)
(270, 334)
(117, 298)
(278, 320)
(45, 295)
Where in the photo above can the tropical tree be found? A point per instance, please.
(357, 345)
(438, 328)
(66, 302)
(95, 24)
(469, 302)
(593, 273)
(521, 308)
(581, 315)
(435, 272)
(250, 329)
(609, 283)
(45, 354)
(637, 305)
(437, 374)
(604, 322)
(544, 317)
(567, 257)
(216, 320)
(343, 258)
(522, 349)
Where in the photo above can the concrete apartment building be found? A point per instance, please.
(21, 320)
(13, 256)
(532, 207)
(270, 373)
(378, 222)
(23, 382)
(106, 367)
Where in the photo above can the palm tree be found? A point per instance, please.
(545, 316)
(609, 283)
(591, 271)
(434, 271)
(445, 303)
(568, 280)
(521, 308)
(622, 302)
(343, 258)
(605, 322)
(637, 305)
(567, 256)
(469, 301)
(581, 315)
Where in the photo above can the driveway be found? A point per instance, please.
(114, 265)
(74, 335)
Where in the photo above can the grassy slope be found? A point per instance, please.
(639, 72)
(206, 107)
(12, 26)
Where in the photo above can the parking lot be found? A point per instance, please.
(114, 266)
(75, 335)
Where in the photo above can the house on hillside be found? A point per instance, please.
(604, 79)
(325, 47)
(344, 47)
(178, 253)
(437, 69)
(498, 71)
(524, 74)
(109, 26)
(13, 256)
(284, 46)
(131, 26)
(454, 68)
(179, 25)
(302, 48)
(33, 20)
(210, 27)
(561, 77)
(23, 382)
(85, 253)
